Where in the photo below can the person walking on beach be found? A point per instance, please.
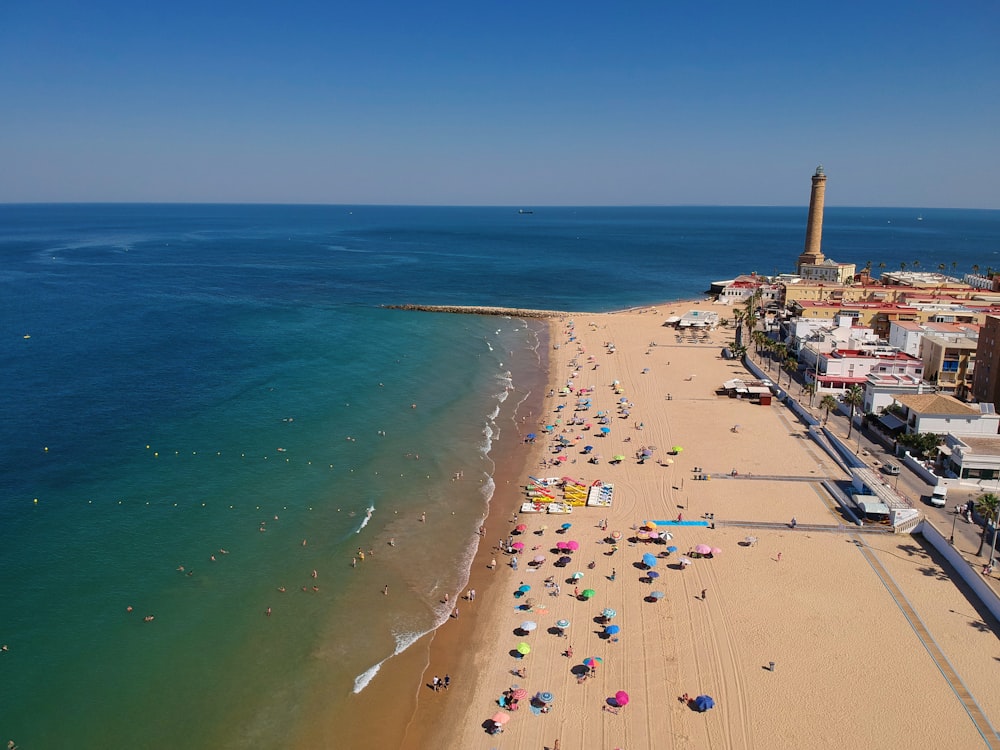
(703, 592)
(385, 590)
(614, 574)
(436, 683)
(779, 557)
(446, 682)
(493, 564)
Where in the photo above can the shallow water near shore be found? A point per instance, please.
(189, 382)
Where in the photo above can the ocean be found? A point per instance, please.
(207, 404)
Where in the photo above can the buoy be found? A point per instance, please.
(46, 449)
(36, 501)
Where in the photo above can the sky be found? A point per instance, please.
(665, 102)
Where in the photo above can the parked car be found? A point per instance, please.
(939, 497)
(891, 469)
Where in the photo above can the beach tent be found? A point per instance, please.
(704, 702)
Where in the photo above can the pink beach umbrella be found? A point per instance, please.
(518, 545)
(539, 558)
(520, 527)
(500, 718)
(703, 549)
(572, 545)
(616, 535)
(562, 545)
(621, 698)
(520, 694)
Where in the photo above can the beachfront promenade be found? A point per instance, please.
(846, 615)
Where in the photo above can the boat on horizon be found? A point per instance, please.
(525, 211)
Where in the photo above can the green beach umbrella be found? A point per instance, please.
(589, 593)
(523, 649)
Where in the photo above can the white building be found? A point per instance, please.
(946, 415)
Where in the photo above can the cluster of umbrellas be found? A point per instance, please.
(570, 546)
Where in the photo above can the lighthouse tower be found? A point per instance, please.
(812, 254)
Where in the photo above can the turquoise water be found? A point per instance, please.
(177, 378)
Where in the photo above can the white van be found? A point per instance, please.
(939, 496)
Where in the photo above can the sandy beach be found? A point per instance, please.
(800, 638)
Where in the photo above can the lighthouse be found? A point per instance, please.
(813, 254)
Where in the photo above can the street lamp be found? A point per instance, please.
(996, 522)
(954, 520)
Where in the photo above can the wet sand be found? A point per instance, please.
(849, 669)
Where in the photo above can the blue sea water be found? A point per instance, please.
(179, 380)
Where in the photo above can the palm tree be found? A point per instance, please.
(853, 397)
(975, 268)
(941, 268)
(738, 317)
(791, 365)
(902, 266)
(829, 403)
(810, 388)
(986, 506)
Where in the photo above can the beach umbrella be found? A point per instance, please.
(528, 625)
(546, 697)
(685, 561)
(704, 702)
(562, 623)
(500, 718)
(566, 526)
(592, 661)
(588, 594)
(572, 545)
(703, 549)
(619, 457)
(577, 575)
(520, 527)
(623, 400)
(671, 548)
(519, 694)
(750, 540)
(564, 560)
(716, 551)
(647, 453)
(561, 458)
(654, 534)
(652, 574)
(539, 558)
(657, 595)
(518, 546)
(524, 588)
(523, 649)
(649, 524)
(621, 698)
(616, 535)
(608, 613)
(643, 534)
(668, 461)
(612, 629)
(605, 430)
(531, 436)
(677, 449)
(561, 546)
(649, 560)
(666, 535)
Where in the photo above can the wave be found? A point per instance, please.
(403, 642)
(367, 518)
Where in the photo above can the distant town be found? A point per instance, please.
(913, 355)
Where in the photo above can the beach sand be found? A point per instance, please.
(849, 669)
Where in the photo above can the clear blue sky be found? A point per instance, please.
(512, 103)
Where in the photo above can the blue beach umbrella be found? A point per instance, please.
(649, 560)
(657, 595)
(652, 574)
(608, 613)
(612, 630)
(524, 589)
(546, 697)
(671, 548)
(605, 430)
(704, 702)
(531, 436)
(566, 526)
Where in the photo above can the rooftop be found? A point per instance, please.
(935, 403)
